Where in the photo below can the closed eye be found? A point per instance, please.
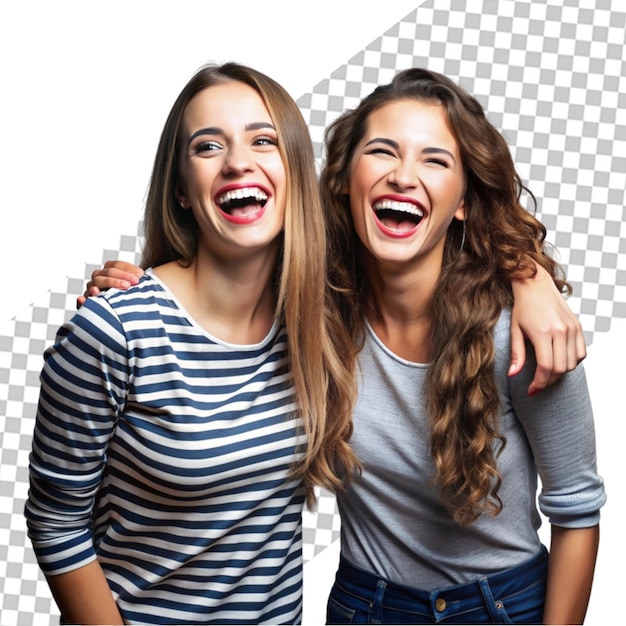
(385, 151)
(381, 145)
(441, 162)
(438, 156)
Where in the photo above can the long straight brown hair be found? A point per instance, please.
(320, 347)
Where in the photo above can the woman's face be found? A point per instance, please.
(406, 184)
(232, 174)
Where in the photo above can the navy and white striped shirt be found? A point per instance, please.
(165, 454)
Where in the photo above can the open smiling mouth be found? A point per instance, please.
(398, 216)
(240, 203)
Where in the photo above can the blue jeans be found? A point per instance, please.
(513, 596)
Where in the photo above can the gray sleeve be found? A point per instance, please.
(559, 426)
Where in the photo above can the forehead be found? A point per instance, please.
(225, 104)
(411, 120)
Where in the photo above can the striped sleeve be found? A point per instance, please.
(84, 383)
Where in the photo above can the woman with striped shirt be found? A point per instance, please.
(183, 423)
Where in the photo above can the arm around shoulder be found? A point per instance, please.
(541, 314)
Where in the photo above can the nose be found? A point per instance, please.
(404, 174)
(238, 160)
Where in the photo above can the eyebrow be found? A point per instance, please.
(388, 142)
(394, 144)
(216, 130)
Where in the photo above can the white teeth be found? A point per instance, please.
(393, 205)
(239, 194)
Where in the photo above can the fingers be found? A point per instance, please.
(124, 267)
(541, 313)
(89, 291)
(111, 278)
(544, 373)
(568, 346)
(580, 347)
(559, 350)
(114, 274)
(518, 349)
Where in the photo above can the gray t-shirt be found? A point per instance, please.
(393, 523)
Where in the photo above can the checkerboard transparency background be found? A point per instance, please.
(552, 76)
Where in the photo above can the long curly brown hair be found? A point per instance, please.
(502, 241)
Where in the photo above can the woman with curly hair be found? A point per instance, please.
(426, 231)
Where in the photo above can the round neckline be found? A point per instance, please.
(390, 353)
(236, 346)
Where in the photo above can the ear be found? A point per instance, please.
(460, 211)
(181, 197)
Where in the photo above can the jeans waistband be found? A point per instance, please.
(501, 585)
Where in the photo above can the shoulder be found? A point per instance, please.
(149, 288)
(148, 300)
(102, 319)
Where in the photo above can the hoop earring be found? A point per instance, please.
(462, 239)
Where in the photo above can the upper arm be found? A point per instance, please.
(559, 425)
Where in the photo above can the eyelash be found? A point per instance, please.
(380, 151)
(209, 146)
(439, 162)
(387, 152)
(266, 141)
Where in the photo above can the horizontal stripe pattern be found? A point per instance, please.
(166, 454)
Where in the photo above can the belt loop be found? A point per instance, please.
(494, 608)
(377, 605)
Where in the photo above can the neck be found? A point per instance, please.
(233, 300)
(399, 309)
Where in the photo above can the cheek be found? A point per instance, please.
(278, 181)
(198, 176)
(358, 181)
(367, 175)
(358, 191)
(357, 214)
(449, 191)
(277, 177)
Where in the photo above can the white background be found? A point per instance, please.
(86, 87)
